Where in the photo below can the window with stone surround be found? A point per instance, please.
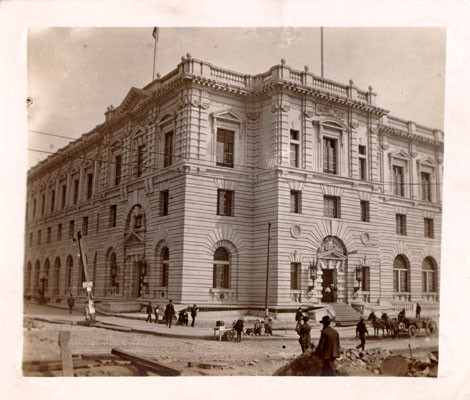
(85, 226)
(48, 236)
(429, 275)
(365, 213)
(43, 203)
(428, 228)
(168, 160)
(59, 232)
(164, 202)
(52, 200)
(69, 272)
(294, 148)
(39, 237)
(165, 255)
(400, 274)
(225, 202)
(331, 207)
(425, 186)
(140, 159)
(398, 180)
(365, 282)
(401, 224)
(362, 162)
(295, 201)
(117, 169)
(89, 186)
(330, 155)
(295, 276)
(221, 272)
(225, 148)
(71, 229)
(112, 215)
(76, 184)
(64, 196)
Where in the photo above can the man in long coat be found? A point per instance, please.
(328, 347)
(169, 313)
(304, 333)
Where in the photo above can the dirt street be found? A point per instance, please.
(248, 358)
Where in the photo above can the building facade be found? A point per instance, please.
(174, 192)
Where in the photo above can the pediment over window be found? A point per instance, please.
(227, 116)
(133, 238)
(133, 98)
(331, 123)
(400, 154)
(429, 161)
(332, 255)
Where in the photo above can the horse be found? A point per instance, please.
(377, 324)
(391, 325)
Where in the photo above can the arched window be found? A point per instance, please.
(46, 274)
(37, 269)
(113, 269)
(400, 274)
(57, 274)
(29, 269)
(68, 276)
(429, 275)
(221, 275)
(165, 254)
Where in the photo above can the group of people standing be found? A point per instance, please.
(328, 346)
(170, 313)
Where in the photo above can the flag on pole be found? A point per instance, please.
(155, 33)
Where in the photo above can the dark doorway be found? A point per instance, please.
(142, 268)
(329, 286)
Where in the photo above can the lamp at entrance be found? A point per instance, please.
(313, 270)
(359, 273)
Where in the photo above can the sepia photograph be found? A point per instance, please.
(238, 201)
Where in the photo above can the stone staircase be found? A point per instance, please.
(345, 314)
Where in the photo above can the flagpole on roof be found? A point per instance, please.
(321, 51)
(155, 36)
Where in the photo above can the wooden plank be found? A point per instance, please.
(65, 353)
(145, 363)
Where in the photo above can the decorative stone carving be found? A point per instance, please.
(295, 231)
(324, 109)
(331, 243)
(355, 124)
(365, 238)
(374, 131)
(309, 113)
(280, 106)
(252, 115)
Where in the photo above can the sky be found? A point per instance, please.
(73, 74)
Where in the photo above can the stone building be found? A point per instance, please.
(173, 194)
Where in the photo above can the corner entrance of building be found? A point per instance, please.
(329, 291)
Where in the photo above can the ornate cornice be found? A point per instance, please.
(410, 136)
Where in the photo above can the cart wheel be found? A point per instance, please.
(431, 328)
(401, 326)
(412, 331)
(231, 336)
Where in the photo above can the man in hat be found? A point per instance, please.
(361, 330)
(298, 317)
(328, 347)
(239, 328)
(193, 314)
(304, 333)
(169, 313)
(418, 311)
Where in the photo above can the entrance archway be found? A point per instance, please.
(332, 259)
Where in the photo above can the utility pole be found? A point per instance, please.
(266, 301)
(155, 35)
(86, 285)
(321, 51)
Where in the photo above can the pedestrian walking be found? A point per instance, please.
(71, 303)
(298, 317)
(418, 311)
(149, 312)
(268, 326)
(169, 313)
(361, 330)
(304, 333)
(157, 313)
(193, 314)
(328, 347)
(239, 328)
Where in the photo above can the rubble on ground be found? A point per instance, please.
(372, 362)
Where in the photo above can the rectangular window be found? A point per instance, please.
(64, 196)
(398, 182)
(425, 186)
(168, 149)
(43, 204)
(295, 197)
(362, 150)
(221, 276)
(401, 224)
(329, 155)
(59, 232)
(225, 202)
(34, 207)
(366, 279)
(71, 229)
(85, 226)
(363, 169)
(429, 228)
(76, 182)
(140, 159)
(294, 276)
(112, 215)
(294, 148)
(39, 237)
(117, 169)
(165, 274)
(52, 200)
(331, 206)
(31, 239)
(225, 148)
(48, 237)
(89, 186)
(365, 217)
(164, 201)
